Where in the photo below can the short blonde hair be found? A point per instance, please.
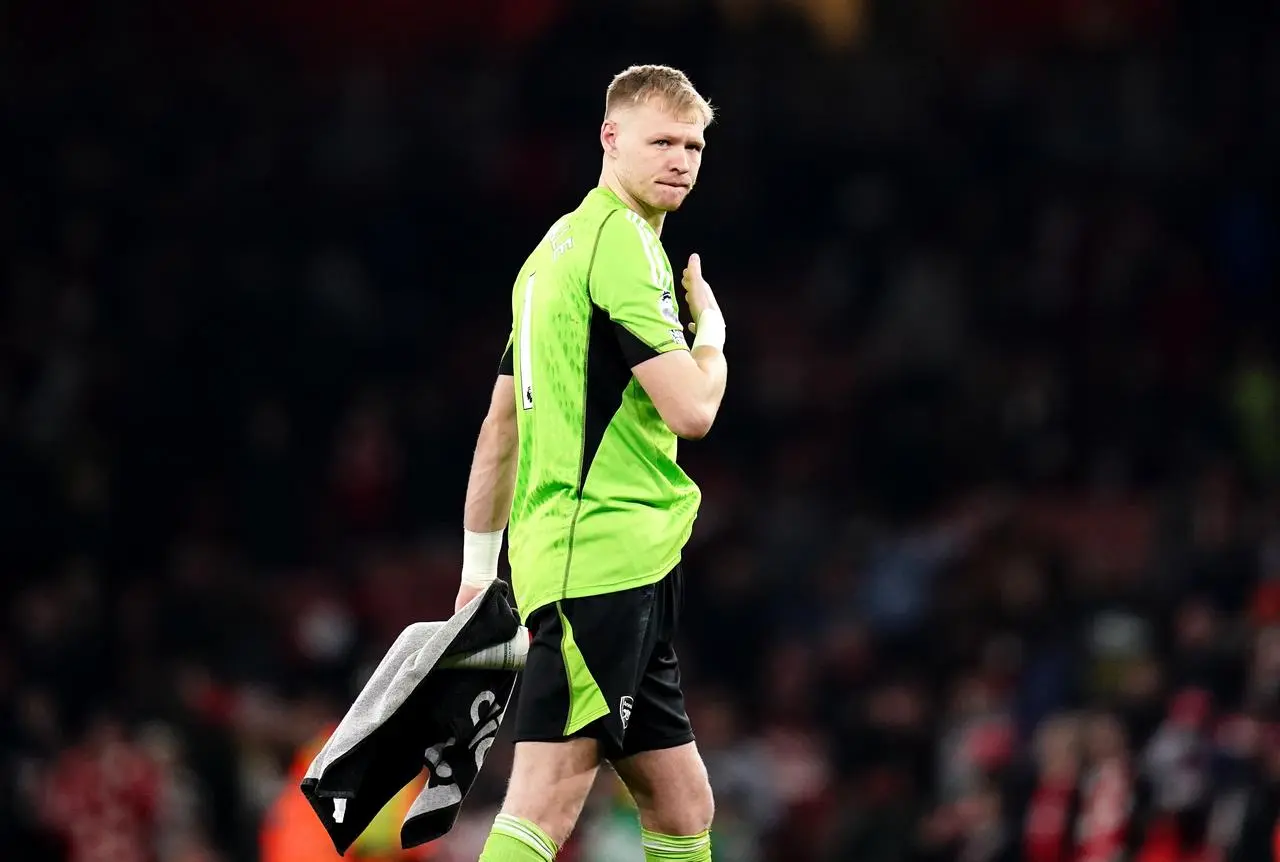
(670, 87)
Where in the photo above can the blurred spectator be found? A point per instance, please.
(102, 796)
(1047, 797)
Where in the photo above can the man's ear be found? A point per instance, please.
(609, 137)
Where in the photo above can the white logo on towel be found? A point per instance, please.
(479, 744)
(339, 810)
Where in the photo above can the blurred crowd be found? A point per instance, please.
(989, 562)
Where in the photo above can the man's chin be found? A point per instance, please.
(670, 200)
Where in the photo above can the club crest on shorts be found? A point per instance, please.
(624, 710)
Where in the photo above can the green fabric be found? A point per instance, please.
(676, 848)
(514, 839)
(600, 503)
(586, 701)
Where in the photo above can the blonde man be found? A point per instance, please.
(578, 450)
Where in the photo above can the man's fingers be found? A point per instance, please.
(695, 265)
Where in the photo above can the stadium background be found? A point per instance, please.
(989, 566)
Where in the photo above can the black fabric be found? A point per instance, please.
(633, 348)
(659, 719)
(607, 378)
(543, 698)
(446, 725)
(626, 639)
(507, 364)
(495, 622)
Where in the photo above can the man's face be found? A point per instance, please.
(657, 154)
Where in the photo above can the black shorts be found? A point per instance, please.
(605, 667)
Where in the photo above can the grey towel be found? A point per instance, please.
(415, 713)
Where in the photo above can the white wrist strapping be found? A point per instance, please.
(480, 553)
(710, 329)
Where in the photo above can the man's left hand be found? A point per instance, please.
(465, 595)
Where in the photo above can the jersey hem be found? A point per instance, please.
(598, 589)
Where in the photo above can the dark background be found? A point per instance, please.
(989, 561)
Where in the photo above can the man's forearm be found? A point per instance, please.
(715, 372)
(489, 491)
(493, 477)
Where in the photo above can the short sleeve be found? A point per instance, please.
(506, 365)
(631, 281)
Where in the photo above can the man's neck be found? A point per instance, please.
(655, 218)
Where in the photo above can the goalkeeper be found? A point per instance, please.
(579, 451)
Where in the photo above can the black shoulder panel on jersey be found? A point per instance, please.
(608, 376)
(507, 364)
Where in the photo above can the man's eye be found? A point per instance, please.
(663, 143)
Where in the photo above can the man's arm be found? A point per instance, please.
(493, 467)
(686, 388)
(631, 282)
(489, 491)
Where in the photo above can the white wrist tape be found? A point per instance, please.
(480, 553)
(710, 329)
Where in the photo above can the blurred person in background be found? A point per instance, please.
(747, 799)
(1244, 822)
(101, 797)
(1177, 766)
(877, 816)
(1109, 823)
(1044, 795)
(292, 831)
(970, 828)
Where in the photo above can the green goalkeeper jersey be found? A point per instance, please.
(600, 503)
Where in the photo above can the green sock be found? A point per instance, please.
(676, 848)
(514, 839)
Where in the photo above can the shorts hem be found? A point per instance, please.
(658, 745)
(537, 737)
